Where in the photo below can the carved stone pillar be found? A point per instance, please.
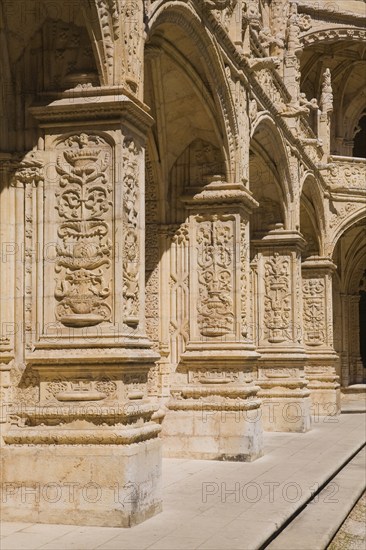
(277, 274)
(10, 258)
(92, 425)
(8, 254)
(356, 367)
(320, 370)
(213, 412)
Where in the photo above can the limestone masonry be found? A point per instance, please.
(183, 239)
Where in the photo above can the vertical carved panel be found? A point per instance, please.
(84, 229)
(277, 299)
(245, 283)
(314, 311)
(179, 292)
(131, 244)
(29, 174)
(133, 42)
(215, 265)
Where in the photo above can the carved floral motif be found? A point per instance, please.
(83, 252)
(314, 311)
(277, 309)
(29, 174)
(131, 246)
(347, 174)
(244, 254)
(215, 251)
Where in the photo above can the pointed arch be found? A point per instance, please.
(182, 17)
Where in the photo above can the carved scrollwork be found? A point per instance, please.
(314, 311)
(215, 257)
(131, 246)
(347, 174)
(84, 248)
(277, 309)
(64, 390)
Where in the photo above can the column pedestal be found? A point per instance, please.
(213, 412)
(320, 370)
(277, 290)
(82, 446)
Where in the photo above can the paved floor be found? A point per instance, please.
(352, 534)
(218, 505)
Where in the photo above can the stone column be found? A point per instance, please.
(214, 412)
(88, 449)
(320, 370)
(354, 338)
(8, 254)
(277, 273)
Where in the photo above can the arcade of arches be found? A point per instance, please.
(183, 236)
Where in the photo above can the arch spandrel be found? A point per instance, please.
(184, 19)
(342, 217)
(268, 146)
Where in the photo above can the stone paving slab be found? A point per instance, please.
(316, 525)
(218, 505)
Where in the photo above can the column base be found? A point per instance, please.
(286, 414)
(286, 404)
(207, 431)
(101, 485)
(324, 390)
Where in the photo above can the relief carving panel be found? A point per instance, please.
(215, 257)
(84, 200)
(277, 299)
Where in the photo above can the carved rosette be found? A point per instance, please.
(277, 299)
(131, 243)
(215, 257)
(314, 311)
(84, 201)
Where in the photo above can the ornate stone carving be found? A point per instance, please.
(135, 384)
(131, 245)
(337, 218)
(179, 290)
(326, 99)
(346, 173)
(296, 23)
(84, 229)
(334, 34)
(133, 42)
(244, 290)
(25, 385)
(213, 376)
(29, 174)
(314, 311)
(277, 308)
(109, 22)
(215, 241)
(79, 389)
